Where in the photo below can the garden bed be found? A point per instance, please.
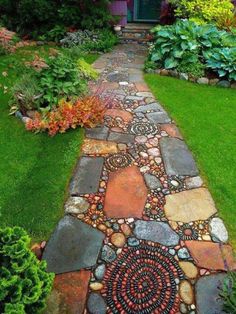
(35, 169)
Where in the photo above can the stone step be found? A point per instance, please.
(133, 32)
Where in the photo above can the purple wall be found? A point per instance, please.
(119, 8)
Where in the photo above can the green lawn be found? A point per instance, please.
(206, 117)
(35, 169)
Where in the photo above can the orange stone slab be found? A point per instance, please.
(171, 130)
(142, 87)
(98, 147)
(211, 255)
(125, 115)
(69, 293)
(126, 193)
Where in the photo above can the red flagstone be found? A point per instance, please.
(210, 255)
(142, 87)
(125, 115)
(126, 193)
(72, 291)
(172, 130)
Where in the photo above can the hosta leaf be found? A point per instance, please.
(170, 63)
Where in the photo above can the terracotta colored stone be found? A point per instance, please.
(97, 147)
(125, 115)
(211, 255)
(186, 292)
(189, 269)
(196, 204)
(70, 290)
(142, 87)
(171, 130)
(126, 193)
(37, 250)
(118, 239)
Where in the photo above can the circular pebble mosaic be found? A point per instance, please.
(116, 161)
(143, 128)
(143, 279)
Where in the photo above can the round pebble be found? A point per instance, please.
(126, 229)
(96, 286)
(118, 239)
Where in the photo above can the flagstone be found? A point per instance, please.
(156, 231)
(177, 158)
(87, 168)
(74, 245)
(208, 294)
(69, 293)
(98, 147)
(189, 205)
(211, 255)
(147, 108)
(125, 115)
(121, 137)
(158, 117)
(99, 133)
(172, 130)
(126, 193)
(142, 87)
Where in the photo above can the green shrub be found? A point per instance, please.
(228, 293)
(196, 69)
(222, 61)
(25, 283)
(55, 34)
(99, 40)
(62, 79)
(202, 11)
(86, 70)
(187, 45)
(37, 17)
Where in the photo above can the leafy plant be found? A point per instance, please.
(61, 79)
(196, 69)
(102, 40)
(87, 111)
(25, 283)
(86, 70)
(202, 11)
(228, 293)
(25, 94)
(187, 46)
(222, 61)
(55, 34)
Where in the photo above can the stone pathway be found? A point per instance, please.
(141, 234)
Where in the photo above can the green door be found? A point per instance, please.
(147, 10)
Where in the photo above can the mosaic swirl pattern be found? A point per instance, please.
(187, 232)
(117, 161)
(143, 128)
(143, 280)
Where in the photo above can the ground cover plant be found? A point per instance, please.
(25, 283)
(206, 117)
(35, 169)
(192, 48)
(228, 293)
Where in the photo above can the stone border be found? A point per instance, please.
(187, 77)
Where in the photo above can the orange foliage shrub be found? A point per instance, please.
(85, 112)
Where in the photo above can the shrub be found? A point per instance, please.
(25, 94)
(87, 111)
(228, 293)
(195, 70)
(55, 34)
(185, 45)
(25, 283)
(99, 40)
(86, 70)
(203, 11)
(37, 17)
(61, 79)
(222, 61)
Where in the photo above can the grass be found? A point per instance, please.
(35, 169)
(206, 117)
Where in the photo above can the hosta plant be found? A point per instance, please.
(222, 61)
(25, 283)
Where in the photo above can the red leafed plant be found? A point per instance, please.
(85, 112)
